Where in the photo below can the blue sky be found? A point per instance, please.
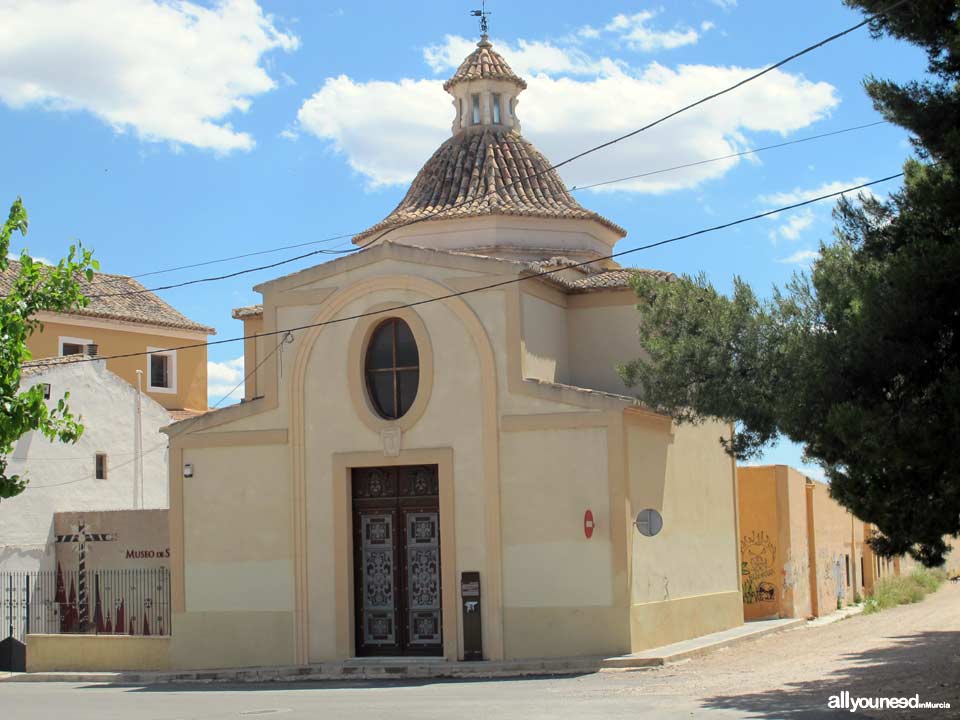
(163, 133)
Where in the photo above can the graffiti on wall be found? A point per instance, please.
(758, 554)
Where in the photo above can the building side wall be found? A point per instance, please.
(774, 547)
(762, 550)
(685, 579)
(62, 476)
(191, 364)
(603, 333)
(251, 326)
(97, 653)
(796, 562)
(544, 340)
(238, 558)
(559, 592)
(834, 550)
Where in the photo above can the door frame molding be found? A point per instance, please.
(343, 576)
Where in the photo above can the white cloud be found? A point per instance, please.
(222, 378)
(725, 4)
(635, 31)
(168, 71)
(801, 194)
(387, 130)
(795, 224)
(801, 257)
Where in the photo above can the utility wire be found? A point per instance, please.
(560, 164)
(650, 125)
(540, 274)
(246, 377)
(573, 189)
(288, 338)
(752, 151)
(86, 477)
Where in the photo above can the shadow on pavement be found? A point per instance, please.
(925, 664)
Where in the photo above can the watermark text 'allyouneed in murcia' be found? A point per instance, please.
(846, 701)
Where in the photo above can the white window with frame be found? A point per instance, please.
(161, 370)
(73, 346)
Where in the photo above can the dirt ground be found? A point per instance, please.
(908, 650)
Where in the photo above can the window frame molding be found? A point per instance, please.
(82, 342)
(172, 355)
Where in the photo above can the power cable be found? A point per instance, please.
(286, 339)
(574, 189)
(511, 281)
(752, 151)
(527, 178)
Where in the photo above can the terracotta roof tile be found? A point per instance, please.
(618, 279)
(484, 64)
(138, 306)
(185, 414)
(241, 313)
(488, 171)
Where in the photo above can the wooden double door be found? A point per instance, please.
(396, 555)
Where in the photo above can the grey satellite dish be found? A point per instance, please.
(649, 522)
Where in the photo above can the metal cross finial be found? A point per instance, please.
(482, 14)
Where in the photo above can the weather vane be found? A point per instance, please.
(482, 14)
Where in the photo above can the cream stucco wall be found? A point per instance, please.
(602, 328)
(545, 340)
(97, 653)
(682, 472)
(519, 463)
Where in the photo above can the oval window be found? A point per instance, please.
(392, 368)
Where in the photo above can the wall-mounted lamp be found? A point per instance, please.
(188, 470)
(46, 391)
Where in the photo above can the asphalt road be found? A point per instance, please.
(905, 651)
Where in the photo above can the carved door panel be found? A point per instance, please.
(396, 523)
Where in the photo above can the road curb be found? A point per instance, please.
(404, 669)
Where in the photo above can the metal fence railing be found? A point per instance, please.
(117, 602)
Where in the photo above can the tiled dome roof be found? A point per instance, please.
(484, 64)
(488, 171)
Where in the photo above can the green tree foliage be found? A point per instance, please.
(33, 288)
(859, 360)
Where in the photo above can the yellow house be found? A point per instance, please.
(802, 553)
(124, 318)
(429, 467)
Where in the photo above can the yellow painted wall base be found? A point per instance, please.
(207, 640)
(659, 623)
(564, 632)
(96, 653)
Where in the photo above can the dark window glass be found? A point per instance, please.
(392, 368)
(159, 375)
(101, 463)
(407, 355)
(381, 392)
(72, 349)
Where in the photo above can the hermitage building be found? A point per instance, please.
(437, 467)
